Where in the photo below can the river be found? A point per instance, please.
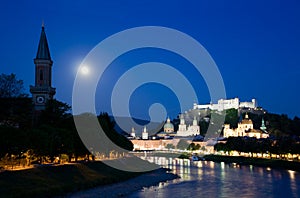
(211, 179)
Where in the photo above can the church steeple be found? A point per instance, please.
(43, 48)
(42, 91)
(263, 126)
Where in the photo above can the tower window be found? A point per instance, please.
(41, 75)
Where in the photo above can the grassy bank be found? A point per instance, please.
(48, 181)
(272, 163)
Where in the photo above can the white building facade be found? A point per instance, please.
(184, 131)
(224, 104)
(145, 135)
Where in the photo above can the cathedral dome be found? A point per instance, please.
(168, 127)
(247, 120)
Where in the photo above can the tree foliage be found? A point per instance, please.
(11, 87)
(279, 146)
(232, 117)
(54, 135)
(108, 126)
(203, 127)
(55, 113)
(193, 147)
(16, 112)
(282, 125)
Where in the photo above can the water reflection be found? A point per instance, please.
(292, 174)
(293, 183)
(209, 179)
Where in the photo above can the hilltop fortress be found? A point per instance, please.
(224, 104)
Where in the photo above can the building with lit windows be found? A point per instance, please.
(245, 128)
(224, 104)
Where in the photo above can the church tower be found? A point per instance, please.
(42, 91)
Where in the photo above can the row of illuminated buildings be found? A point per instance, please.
(191, 131)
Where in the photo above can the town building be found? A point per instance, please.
(132, 134)
(191, 130)
(183, 129)
(245, 128)
(145, 134)
(168, 130)
(165, 144)
(157, 144)
(168, 127)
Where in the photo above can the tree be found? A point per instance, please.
(11, 87)
(16, 112)
(55, 113)
(193, 147)
(203, 127)
(232, 117)
(15, 106)
(296, 125)
(12, 141)
(221, 147)
(108, 127)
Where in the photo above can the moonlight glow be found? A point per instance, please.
(84, 70)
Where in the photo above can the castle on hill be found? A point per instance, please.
(224, 104)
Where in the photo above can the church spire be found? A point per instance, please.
(43, 49)
(263, 126)
(42, 91)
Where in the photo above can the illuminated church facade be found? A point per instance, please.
(169, 132)
(245, 129)
(191, 130)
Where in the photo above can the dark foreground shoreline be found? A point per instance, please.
(67, 180)
(272, 163)
(127, 187)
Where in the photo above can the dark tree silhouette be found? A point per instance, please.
(232, 117)
(11, 87)
(108, 126)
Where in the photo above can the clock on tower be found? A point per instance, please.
(40, 99)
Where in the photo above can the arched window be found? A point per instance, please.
(41, 75)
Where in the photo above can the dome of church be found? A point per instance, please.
(168, 127)
(247, 120)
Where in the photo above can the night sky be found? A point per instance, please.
(255, 45)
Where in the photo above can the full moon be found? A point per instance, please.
(84, 70)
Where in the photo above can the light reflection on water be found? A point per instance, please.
(210, 179)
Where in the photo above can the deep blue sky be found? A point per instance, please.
(255, 44)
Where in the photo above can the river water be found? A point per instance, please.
(209, 179)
